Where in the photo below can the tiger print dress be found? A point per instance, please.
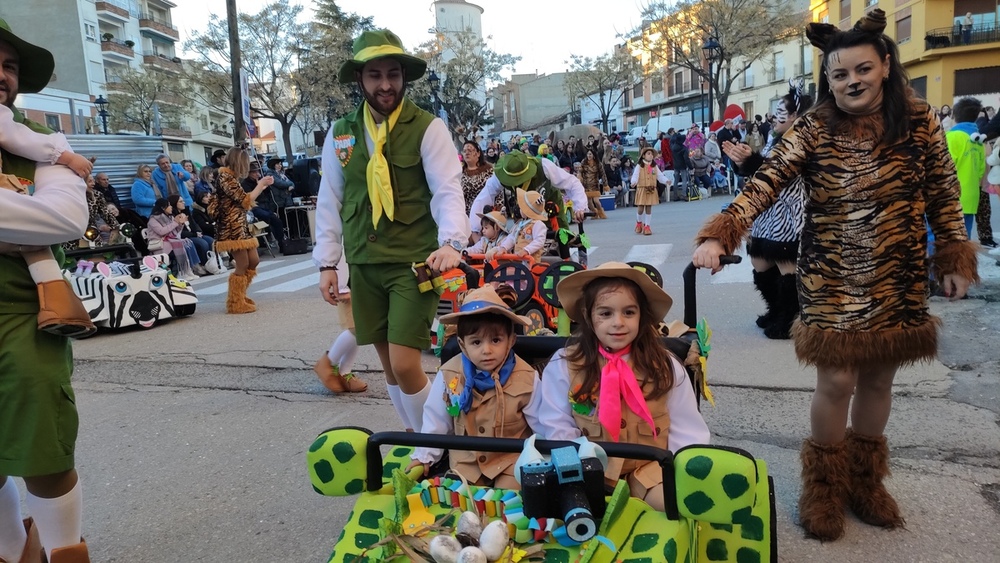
(863, 265)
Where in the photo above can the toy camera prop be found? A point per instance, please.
(568, 488)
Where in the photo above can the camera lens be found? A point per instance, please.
(580, 525)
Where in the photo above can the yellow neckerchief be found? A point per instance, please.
(379, 183)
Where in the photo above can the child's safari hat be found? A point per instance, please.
(532, 205)
(570, 289)
(645, 150)
(483, 300)
(496, 218)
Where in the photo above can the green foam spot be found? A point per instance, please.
(716, 550)
(364, 541)
(324, 471)
(698, 503)
(722, 527)
(556, 555)
(354, 486)
(637, 560)
(747, 555)
(644, 542)
(699, 467)
(735, 485)
(344, 452)
(753, 529)
(670, 551)
(370, 519)
(388, 468)
(400, 451)
(742, 515)
(318, 443)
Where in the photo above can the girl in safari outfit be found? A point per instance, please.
(644, 179)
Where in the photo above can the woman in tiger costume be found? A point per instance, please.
(874, 161)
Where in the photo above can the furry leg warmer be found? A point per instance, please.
(869, 500)
(236, 299)
(766, 283)
(824, 489)
(251, 274)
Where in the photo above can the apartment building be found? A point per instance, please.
(528, 102)
(90, 40)
(944, 61)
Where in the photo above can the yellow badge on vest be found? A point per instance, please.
(343, 146)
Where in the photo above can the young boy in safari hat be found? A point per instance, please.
(527, 235)
(485, 391)
(494, 226)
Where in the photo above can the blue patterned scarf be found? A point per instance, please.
(482, 381)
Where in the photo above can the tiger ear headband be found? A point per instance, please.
(821, 34)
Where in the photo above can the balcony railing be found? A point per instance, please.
(109, 8)
(158, 25)
(776, 75)
(118, 46)
(674, 89)
(954, 36)
(161, 60)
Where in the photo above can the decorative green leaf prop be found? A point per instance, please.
(704, 337)
(401, 486)
(564, 235)
(585, 240)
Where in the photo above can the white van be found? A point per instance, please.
(632, 138)
(663, 123)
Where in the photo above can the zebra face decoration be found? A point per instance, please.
(782, 119)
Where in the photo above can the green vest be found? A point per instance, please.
(412, 236)
(18, 294)
(537, 183)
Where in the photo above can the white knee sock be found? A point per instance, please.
(414, 405)
(648, 220)
(46, 270)
(59, 520)
(343, 351)
(638, 217)
(12, 534)
(397, 402)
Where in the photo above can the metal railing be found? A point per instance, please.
(157, 20)
(955, 36)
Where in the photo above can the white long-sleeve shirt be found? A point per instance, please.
(538, 232)
(57, 211)
(438, 421)
(482, 245)
(660, 176)
(556, 415)
(569, 185)
(444, 177)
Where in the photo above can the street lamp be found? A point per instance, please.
(435, 84)
(102, 111)
(712, 52)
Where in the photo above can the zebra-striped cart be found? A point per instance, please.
(132, 291)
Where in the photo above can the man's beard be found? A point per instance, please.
(381, 108)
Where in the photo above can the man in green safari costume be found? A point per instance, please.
(38, 418)
(530, 173)
(390, 197)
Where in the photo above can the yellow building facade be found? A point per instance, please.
(950, 48)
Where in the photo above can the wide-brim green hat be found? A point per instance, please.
(381, 43)
(37, 63)
(515, 168)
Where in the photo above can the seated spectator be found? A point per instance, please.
(701, 165)
(164, 230)
(143, 192)
(170, 179)
(712, 149)
(194, 232)
(216, 161)
(103, 186)
(200, 213)
(265, 210)
(206, 181)
(188, 166)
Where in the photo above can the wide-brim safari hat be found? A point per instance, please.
(496, 217)
(645, 150)
(570, 289)
(480, 301)
(532, 205)
(37, 63)
(515, 168)
(378, 44)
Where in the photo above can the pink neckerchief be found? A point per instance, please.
(617, 381)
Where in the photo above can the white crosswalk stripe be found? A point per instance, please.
(290, 275)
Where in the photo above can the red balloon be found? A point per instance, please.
(734, 111)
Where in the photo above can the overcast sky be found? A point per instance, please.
(544, 33)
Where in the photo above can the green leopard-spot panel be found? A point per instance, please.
(714, 483)
(336, 461)
(654, 538)
(748, 539)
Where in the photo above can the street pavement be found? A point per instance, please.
(193, 433)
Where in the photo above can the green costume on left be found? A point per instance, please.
(38, 417)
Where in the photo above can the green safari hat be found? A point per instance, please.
(37, 63)
(371, 45)
(515, 168)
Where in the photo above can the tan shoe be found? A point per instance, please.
(71, 554)
(330, 377)
(61, 312)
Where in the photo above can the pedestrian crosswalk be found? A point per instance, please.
(296, 273)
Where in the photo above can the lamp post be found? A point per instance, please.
(102, 111)
(712, 52)
(435, 84)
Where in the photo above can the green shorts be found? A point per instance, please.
(38, 419)
(388, 307)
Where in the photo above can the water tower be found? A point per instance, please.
(452, 17)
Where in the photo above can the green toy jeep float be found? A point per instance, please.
(719, 506)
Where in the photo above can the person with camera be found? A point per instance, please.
(616, 381)
(486, 391)
(266, 205)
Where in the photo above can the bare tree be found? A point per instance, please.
(746, 31)
(467, 68)
(602, 80)
(137, 99)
